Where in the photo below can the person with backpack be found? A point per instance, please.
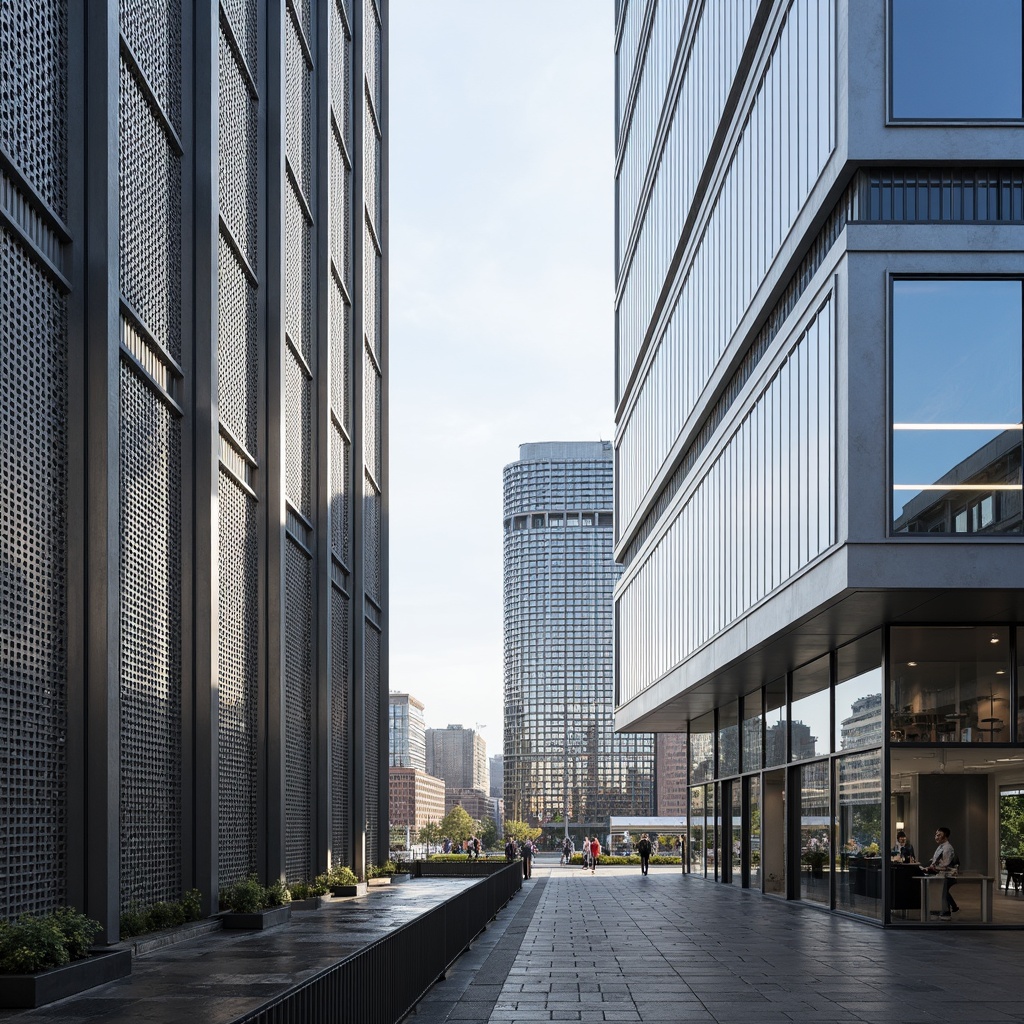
(644, 849)
(595, 853)
(946, 862)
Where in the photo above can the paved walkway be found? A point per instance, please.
(665, 949)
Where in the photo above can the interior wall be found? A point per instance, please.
(961, 803)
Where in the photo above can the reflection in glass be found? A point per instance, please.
(736, 833)
(702, 748)
(859, 693)
(956, 61)
(754, 836)
(858, 841)
(716, 865)
(696, 845)
(956, 406)
(753, 727)
(950, 684)
(728, 739)
(809, 729)
(815, 844)
(775, 723)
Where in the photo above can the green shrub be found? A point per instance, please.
(192, 905)
(300, 890)
(277, 894)
(321, 885)
(38, 943)
(244, 897)
(341, 875)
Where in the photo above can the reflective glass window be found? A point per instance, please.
(815, 828)
(956, 406)
(735, 838)
(858, 839)
(859, 693)
(702, 749)
(950, 684)
(753, 727)
(728, 739)
(754, 835)
(809, 716)
(775, 723)
(954, 60)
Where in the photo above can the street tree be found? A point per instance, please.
(430, 834)
(457, 825)
(520, 831)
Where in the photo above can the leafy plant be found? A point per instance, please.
(192, 905)
(138, 920)
(341, 875)
(246, 896)
(276, 894)
(38, 943)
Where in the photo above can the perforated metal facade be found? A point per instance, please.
(193, 447)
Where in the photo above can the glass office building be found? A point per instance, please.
(562, 760)
(193, 454)
(818, 435)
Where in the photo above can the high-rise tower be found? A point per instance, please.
(561, 759)
(819, 335)
(193, 471)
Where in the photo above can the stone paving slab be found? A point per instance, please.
(669, 948)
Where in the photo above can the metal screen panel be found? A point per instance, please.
(341, 71)
(340, 325)
(373, 751)
(371, 539)
(341, 751)
(371, 415)
(298, 434)
(238, 652)
(150, 207)
(298, 698)
(33, 90)
(372, 50)
(153, 31)
(33, 585)
(242, 15)
(150, 684)
(341, 486)
(371, 295)
(298, 97)
(297, 274)
(340, 311)
(238, 160)
(238, 349)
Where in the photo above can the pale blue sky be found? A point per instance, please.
(501, 303)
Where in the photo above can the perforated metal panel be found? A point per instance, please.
(340, 212)
(238, 351)
(150, 207)
(150, 684)
(341, 70)
(371, 415)
(298, 712)
(373, 751)
(372, 50)
(238, 650)
(341, 488)
(298, 96)
(33, 586)
(242, 14)
(371, 540)
(238, 157)
(298, 434)
(341, 752)
(297, 274)
(153, 31)
(33, 85)
(340, 322)
(371, 295)
(371, 170)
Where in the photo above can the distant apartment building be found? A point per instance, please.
(475, 803)
(459, 756)
(497, 775)
(416, 798)
(407, 732)
(562, 759)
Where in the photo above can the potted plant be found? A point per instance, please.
(252, 905)
(381, 874)
(310, 895)
(343, 882)
(48, 958)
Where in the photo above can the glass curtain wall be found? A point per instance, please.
(857, 842)
(815, 839)
(735, 822)
(754, 832)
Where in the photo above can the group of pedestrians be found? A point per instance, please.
(525, 849)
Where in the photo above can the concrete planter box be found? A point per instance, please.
(359, 889)
(25, 991)
(258, 921)
(310, 903)
(399, 877)
(383, 880)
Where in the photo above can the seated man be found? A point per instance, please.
(945, 861)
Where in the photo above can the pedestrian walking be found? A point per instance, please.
(595, 853)
(510, 849)
(527, 858)
(586, 852)
(644, 849)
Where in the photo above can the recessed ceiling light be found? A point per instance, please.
(912, 664)
(1000, 672)
(993, 639)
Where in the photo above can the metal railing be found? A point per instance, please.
(382, 982)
